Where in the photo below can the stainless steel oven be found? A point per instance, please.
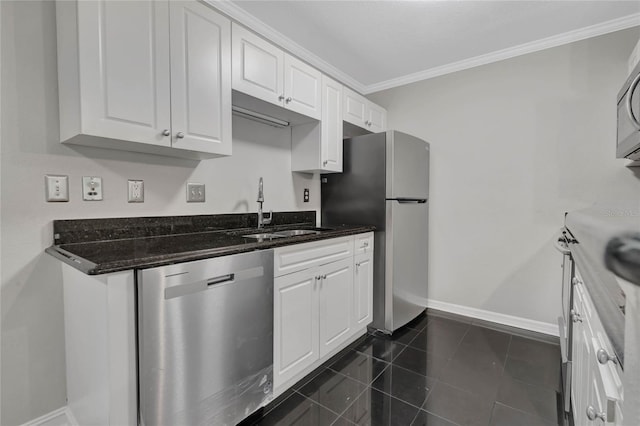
(628, 140)
(562, 244)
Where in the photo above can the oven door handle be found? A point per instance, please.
(629, 105)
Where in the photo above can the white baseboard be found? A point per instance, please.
(54, 418)
(510, 320)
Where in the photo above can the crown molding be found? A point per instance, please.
(511, 52)
(241, 16)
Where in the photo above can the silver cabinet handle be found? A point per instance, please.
(281, 97)
(632, 89)
(575, 317)
(288, 100)
(166, 132)
(604, 357)
(365, 244)
(324, 277)
(324, 163)
(593, 414)
(179, 135)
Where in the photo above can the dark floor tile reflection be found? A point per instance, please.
(536, 400)
(300, 411)
(379, 409)
(437, 372)
(333, 390)
(404, 384)
(421, 362)
(459, 406)
(380, 347)
(507, 416)
(359, 367)
(427, 419)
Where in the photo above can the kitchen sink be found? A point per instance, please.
(296, 232)
(264, 236)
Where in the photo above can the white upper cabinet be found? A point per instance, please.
(318, 147)
(122, 65)
(363, 113)
(200, 81)
(258, 66)
(264, 71)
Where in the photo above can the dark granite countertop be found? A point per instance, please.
(593, 229)
(100, 246)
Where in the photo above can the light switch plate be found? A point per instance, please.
(135, 191)
(56, 188)
(195, 192)
(91, 188)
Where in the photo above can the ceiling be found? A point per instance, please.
(375, 45)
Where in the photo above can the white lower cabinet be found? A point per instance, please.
(596, 388)
(320, 308)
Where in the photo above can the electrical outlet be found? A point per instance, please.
(135, 191)
(306, 195)
(195, 192)
(91, 188)
(56, 188)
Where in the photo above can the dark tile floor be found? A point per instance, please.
(436, 371)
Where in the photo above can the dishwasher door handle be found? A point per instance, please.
(210, 284)
(221, 279)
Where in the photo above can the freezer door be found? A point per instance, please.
(407, 166)
(406, 261)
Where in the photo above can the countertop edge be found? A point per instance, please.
(91, 268)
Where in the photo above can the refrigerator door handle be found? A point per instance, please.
(409, 200)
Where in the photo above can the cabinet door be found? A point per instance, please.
(295, 324)
(331, 131)
(354, 108)
(124, 70)
(302, 88)
(377, 118)
(200, 78)
(335, 304)
(362, 290)
(258, 66)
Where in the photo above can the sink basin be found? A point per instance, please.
(296, 232)
(264, 236)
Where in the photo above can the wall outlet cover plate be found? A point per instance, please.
(56, 188)
(91, 188)
(195, 193)
(135, 191)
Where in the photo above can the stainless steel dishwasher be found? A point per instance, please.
(205, 340)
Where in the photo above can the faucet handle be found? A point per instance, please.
(268, 221)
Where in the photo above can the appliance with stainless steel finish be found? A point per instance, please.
(205, 338)
(564, 322)
(385, 183)
(628, 140)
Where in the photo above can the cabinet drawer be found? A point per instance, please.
(363, 243)
(302, 256)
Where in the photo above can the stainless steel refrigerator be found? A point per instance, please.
(385, 183)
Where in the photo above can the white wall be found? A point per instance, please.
(514, 145)
(33, 365)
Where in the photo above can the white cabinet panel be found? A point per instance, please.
(200, 78)
(296, 328)
(122, 61)
(363, 289)
(303, 256)
(363, 113)
(302, 87)
(335, 304)
(331, 130)
(377, 118)
(354, 108)
(145, 76)
(258, 66)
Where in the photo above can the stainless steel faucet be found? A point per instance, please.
(261, 219)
